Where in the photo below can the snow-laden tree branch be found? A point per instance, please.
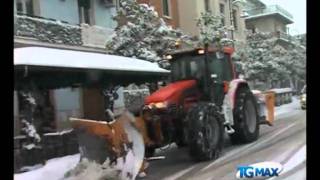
(265, 60)
(212, 31)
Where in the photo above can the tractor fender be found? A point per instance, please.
(234, 85)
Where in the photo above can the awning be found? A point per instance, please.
(56, 68)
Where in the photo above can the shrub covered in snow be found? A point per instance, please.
(30, 131)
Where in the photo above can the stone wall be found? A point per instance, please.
(48, 30)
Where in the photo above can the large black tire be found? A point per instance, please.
(205, 132)
(246, 118)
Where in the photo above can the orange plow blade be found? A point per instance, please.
(120, 142)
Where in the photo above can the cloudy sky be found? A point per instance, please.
(298, 9)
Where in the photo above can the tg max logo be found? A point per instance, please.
(259, 170)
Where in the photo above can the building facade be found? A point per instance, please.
(269, 19)
(231, 13)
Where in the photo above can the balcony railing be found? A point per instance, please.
(269, 10)
(282, 35)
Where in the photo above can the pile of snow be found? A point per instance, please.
(53, 170)
(91, 170)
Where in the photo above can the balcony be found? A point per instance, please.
(270, 10)
(56, 32)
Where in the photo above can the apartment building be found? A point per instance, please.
(268, 18)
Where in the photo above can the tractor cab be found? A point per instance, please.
(212, 70)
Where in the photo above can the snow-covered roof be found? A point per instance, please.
(49, 57)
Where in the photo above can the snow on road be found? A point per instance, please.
(286, 108)
(57, 167)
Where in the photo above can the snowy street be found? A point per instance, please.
(285, 143)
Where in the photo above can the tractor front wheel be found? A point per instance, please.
(205, 132)
(246, 121)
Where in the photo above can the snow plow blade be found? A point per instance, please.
(119, 142)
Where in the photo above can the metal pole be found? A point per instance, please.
(207, 72)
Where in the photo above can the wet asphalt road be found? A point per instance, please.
(284, 143)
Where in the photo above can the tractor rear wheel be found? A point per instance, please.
(205, 132)
(246, 120)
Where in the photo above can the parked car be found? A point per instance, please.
(303, 98)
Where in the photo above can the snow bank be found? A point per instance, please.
(53, 170)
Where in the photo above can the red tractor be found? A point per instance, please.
(205, 98)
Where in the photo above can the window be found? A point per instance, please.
(234, 17)
(166, 7)
(108, 3)
(221, 67)
(25, 7)
(221, 6)
(207, 5)
(222, 21)
(84, 11)
(221, 9)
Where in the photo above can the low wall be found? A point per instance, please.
(52, 145)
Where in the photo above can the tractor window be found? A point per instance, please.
(187, 67)
(221, 67)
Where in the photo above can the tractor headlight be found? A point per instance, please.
(304, 97)
(160, 105)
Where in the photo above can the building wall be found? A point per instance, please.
(103, 15)
(95, 36)
(61, 10)
(240, 33)
(173, 20)
(189, 11)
